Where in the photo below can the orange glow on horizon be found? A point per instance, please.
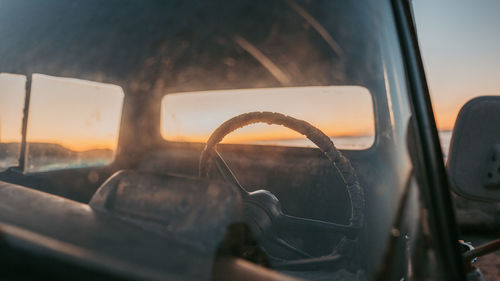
(446, 121)
(277, 133)
(80, 146)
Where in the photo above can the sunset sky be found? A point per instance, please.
(77, 114)
(337, 110)
(82, 114)
(11, 106)
(460, 43)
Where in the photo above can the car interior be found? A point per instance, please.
(193, 192)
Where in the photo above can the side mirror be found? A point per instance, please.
(474, 156)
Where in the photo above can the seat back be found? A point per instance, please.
(474, 156)
(189, 208)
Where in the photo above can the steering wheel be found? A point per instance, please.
(262, 210)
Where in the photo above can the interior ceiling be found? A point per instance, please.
(175, 45)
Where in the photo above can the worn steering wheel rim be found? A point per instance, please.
(320, 139)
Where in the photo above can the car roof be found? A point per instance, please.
(179, 45)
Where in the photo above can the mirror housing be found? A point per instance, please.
(474, 157)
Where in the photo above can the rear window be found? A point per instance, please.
(345, 113)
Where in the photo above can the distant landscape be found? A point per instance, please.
(351, 142)
(50, 156)
(445, 138)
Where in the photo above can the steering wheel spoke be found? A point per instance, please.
(226, 172)
(292, 223)
(289, 248)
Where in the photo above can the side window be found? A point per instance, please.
(71, 123)
(12, 89)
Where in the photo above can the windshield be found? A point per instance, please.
(205, 135)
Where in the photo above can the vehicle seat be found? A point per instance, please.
(189, 208)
